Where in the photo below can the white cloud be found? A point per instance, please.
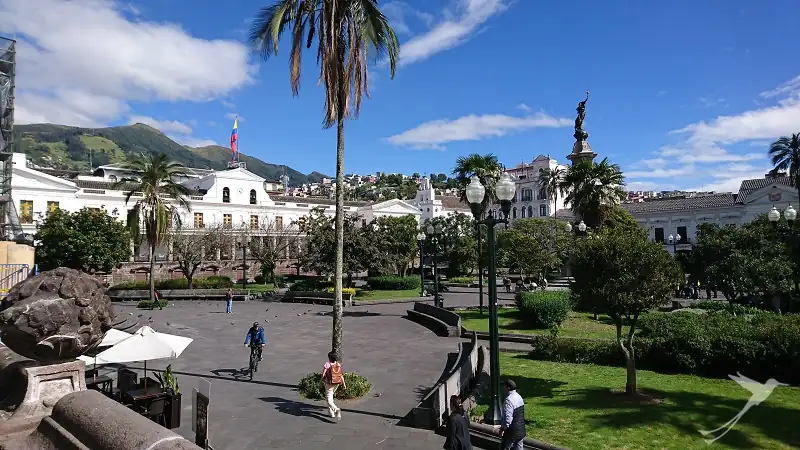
(661, 93)
(455, 29)
(228, 104)
(729, 182)
(661, 173)
(81, 62)
(791, 87)
(524, 107)
(647, 186)
(435, 133)
(165, 126)
(398, 13)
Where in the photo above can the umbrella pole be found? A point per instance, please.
(94, 369)
(145, 375)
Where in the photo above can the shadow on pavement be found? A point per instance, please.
(320, 412)
(219, 375)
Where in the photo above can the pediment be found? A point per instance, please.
(773, 194)
(31, 179)
(395, 207)
(238, 174)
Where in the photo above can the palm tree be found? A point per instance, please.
(346, 32)
(590, 187)
(486, 167)
(159, 201)
(785, 156)
(551, 180)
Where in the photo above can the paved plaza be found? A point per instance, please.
(400, 358)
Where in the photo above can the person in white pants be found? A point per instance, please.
(330, 388)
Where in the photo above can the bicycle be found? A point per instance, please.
(255, 354)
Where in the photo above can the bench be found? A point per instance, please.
(177, 294)
(317, 298)
(439, 320)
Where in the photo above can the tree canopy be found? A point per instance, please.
(89, 240)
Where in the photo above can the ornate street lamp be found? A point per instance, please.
(504, 190)
(433, 232)
(673, 241)
(475, 195)
(421, 240)
(582, 227)
(789, 214)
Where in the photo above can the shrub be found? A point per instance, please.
(357, 386)
(213, 282)
(735, 308)
(714, 344)
(390, 283)
(147, 304)
(543, 309)
(461, 280)
(351, 291)
(310, 285)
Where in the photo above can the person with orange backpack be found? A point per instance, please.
(332, 378)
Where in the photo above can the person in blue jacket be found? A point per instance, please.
(255, 337)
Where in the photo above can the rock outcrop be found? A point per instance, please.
(55, 316)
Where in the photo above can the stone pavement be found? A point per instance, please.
(399, 357)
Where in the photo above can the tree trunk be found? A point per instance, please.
(190, 280)
(630, 355)
(152, 268)
(337, 337)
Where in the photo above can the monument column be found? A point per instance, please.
(581, 150)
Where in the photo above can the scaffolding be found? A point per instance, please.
(10, 228)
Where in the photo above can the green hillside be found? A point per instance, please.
(63, 147)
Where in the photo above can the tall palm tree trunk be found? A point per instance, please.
(152, 269)
(337, 302)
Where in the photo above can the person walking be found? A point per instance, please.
(229, 301)
(156, 301)
(457, 427)
(513, 428)
(332, 378)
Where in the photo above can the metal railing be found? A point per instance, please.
(10, 275)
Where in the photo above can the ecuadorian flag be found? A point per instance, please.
(235, 137)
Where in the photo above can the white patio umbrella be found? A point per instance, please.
(144, 345)
(112, 337)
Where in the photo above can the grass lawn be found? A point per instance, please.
(578, 406)
(368, 295)
(578, 324)
(259, 287)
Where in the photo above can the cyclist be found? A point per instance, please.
(255, 337)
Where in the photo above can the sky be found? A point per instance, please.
(684, 94)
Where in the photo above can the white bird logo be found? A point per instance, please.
(760, 393)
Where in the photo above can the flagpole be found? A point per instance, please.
(237, 141)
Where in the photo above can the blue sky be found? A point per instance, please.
(684, 94)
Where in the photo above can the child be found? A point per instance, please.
(332, 377)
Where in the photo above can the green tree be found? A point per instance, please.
(88, 240)
(626, 276)
(190, 247)
(396, 240)
(486, 167)
(590, 186)
(160, 198)
(320, 252)
(533, 246)
(552, 181)
(616, 217)
(345, 32)
(785, 156)
(457, 241)
(270, 243)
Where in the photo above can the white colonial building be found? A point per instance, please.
(531, 199)
(232, 198)
(680, 216)
(430, 206)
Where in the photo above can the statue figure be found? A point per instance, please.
(581, 113)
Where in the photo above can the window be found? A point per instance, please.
(514, 213)
(527, 195)
(363, 223)
(227, 220)
(542, 194)
(278, 223)
(26, 211)
(682, 232)
(253, 196)
(253, 222)
(198, 220)
(659, 232)
(226, 195)
(530, 211)
(543, 210)
(522, 212)
(51, 206)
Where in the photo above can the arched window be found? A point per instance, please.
(226, 195)
(542, 194)
(543, 210)
(530, 211)
(253, 196)
(514, 213)
(522, 212)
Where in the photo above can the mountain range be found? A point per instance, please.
(73, 148)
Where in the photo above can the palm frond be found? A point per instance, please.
(268, 26)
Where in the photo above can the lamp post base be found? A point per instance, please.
(493, 415)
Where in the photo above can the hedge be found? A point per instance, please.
(715, 344)
(213, 282)
(310, 285)
(461, 280)
(735, 308)
(357, 386)
(147, 304)
(543, 309)
(393, 283)
(351, 291)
